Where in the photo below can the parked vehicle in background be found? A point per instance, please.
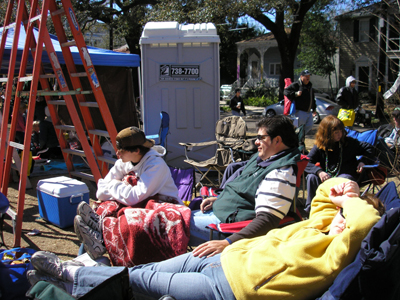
(325, 107)
(225, 91)
(319, 93)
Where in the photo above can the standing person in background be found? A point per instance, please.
(237, 104)
(347, 96)
(20, 130)
(302, 94)
(48, 139)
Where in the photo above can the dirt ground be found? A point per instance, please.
(63, 242)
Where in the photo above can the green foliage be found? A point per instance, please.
(261, 91)
(317, 43)
(260, 101)
(261, 95)
(126, 18)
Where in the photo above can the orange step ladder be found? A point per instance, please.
(91, 153)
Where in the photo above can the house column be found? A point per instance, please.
(239, 52)
(262, 51)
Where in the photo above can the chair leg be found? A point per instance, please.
(220, 175)
(1, 229)
(204, 176)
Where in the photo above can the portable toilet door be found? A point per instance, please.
(180, 75)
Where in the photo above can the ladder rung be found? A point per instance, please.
(81, 74)
(58, 12)
(17, 145)
(99, 132)
(35, 18)
(56, 102)
(83, 175)
(65, 127)
(9, 26)
(27, 78)
(55, 93)
(68, 44)
(74, 152)
(47, 76)
(3, 79)
(107, 159)
(89, 104)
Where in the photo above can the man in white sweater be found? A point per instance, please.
(139, 174)
(141, 161)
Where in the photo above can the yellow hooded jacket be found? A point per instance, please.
(299, 261)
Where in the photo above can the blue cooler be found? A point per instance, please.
(58, 199)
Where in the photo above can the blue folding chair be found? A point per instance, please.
(376, 171)
(164, 128)
(374, 272)
(161, 137)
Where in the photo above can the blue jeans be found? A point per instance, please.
(305, 118)
(198, 231)
(184, 277)
(235, 113)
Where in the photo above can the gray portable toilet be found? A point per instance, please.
(180, 75)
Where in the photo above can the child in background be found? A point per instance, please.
(35, 138)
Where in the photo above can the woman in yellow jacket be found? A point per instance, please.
(302, 260)
(299, 261)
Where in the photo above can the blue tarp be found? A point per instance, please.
(99, 57)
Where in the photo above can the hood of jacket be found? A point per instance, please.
(161, 151)
(349, 80)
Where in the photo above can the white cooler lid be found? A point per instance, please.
(62, 186)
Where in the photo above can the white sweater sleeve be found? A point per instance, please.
(117, 173)
(150, 182)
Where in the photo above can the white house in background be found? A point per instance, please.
(264, 62)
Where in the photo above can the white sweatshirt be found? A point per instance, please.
(154, 177)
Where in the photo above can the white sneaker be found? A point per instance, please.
(89, 216)
(102, 261)
(50, 264)
(34, 276)
(92, 240)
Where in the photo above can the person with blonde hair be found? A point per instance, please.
(335, 155)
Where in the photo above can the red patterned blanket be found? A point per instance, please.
(154, 233)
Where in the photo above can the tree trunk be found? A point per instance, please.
(288, 40)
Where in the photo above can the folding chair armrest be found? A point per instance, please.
(190, 146)
(371, 166)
